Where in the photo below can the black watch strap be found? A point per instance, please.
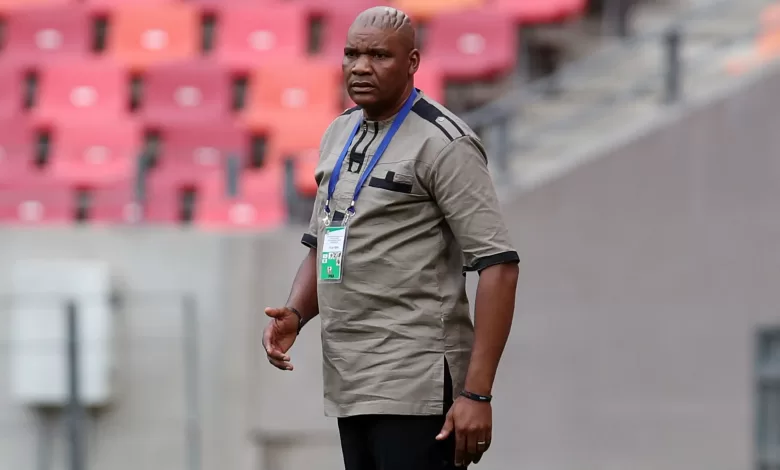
(476, 397)
(297, 314)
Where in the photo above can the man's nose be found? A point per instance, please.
(362, 66)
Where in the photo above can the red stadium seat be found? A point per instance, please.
(190, 153)
(305, 168)
(37, 201)
(471, 45)
(430, 81)
(17, 150)
(247, 35)
(90, 90)
(297, 86)
(186, 92)
(539, 11)
(87, 154)
(38, 34)
(259, 206)
(143, 35)
(336, 25)
(11, 91)
(114, 202)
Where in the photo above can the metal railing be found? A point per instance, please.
(494, 121)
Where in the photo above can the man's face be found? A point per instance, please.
(377, 66)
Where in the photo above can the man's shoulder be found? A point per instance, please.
(442, 124)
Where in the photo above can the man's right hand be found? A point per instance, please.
(279, 336)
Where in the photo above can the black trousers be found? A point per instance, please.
(390, 442)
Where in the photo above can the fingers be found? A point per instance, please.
(482, 445)
(446, 430)
(275, 356)
(460, 449)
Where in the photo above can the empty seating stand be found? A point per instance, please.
(91, 89)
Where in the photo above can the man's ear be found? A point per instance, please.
(414, 61)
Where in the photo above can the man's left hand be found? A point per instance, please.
(472, 423)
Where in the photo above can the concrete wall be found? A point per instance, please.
(644, 277)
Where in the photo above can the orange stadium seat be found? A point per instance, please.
(471, 45)
(10, 5)
(11, 91)
(85, 154)
(539, 11)
(189, 91)
(292, 86)
(426, 9)
(37, 201)
(295, 132)
(189, 153)
(259, 206)
(38, 34)
(143, 35)
(247, 35)
(352, 7)
(17, 148)
(88, 90)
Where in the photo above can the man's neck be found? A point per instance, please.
(387, 113)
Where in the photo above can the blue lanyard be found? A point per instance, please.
(334, 177)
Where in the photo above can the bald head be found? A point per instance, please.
(388, 19)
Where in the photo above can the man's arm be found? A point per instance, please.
(494, 310)
(303, 295)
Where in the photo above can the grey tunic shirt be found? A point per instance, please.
(428, 213)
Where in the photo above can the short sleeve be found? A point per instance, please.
(462, 188)
(310, 235)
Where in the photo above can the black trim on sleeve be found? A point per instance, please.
(309, 240)
(432, 114)
(488, 261)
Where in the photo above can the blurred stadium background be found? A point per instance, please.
(156, 165)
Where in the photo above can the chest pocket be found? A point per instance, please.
(393, 181)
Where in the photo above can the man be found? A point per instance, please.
(404, 199)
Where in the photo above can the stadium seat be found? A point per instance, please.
(11, 5)
(259, 206)
(350, 7)
(12, 91)
(87, 154)
(292, 86)
(144, 35)
(426, 9)
(115, 202)
(192, 152)
(186, 92)
(539, 11)
(247, 35)
(17, 150)
(336, 23)
(471, 45)
(39, 34)
(295, 132)
(88, 90)
(305, 166)
(37, 201)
